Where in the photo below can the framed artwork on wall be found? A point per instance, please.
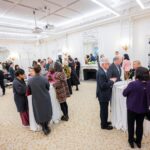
(90, 46)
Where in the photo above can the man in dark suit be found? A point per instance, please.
(114, 70)
(104, 86)
(12, 71)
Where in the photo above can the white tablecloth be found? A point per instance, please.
(57, 113)
(119, 109)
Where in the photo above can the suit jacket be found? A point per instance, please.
(38, 86)
(1, 75)
(19, 90)
(113, 72)
(12, 73)
(104, 86)
(131, 73)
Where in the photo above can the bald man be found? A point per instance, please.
(136, 64)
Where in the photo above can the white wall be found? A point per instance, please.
(24, 52)
(109, 38)
(141, 32)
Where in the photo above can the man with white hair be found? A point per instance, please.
(104, 88)
(49, 63)
(2, 80)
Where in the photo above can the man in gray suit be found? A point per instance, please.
(114, 70)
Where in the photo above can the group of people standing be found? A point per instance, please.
(42, 75)
(62, 75)
(137, 93)
(7, 72)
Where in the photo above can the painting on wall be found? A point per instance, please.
(90, 46)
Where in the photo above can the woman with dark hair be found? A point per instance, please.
(38, 87)
(17, 67)
(19, 90)
(57, 113)
(126, 66)
(126, 56)
(77, 67)
(74, 77)
(67, 71)
(34, 63)
(137, 105)
(62, 90)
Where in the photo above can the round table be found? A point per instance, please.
(119, 108)
(57, 113)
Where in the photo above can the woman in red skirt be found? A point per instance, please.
(19, 90)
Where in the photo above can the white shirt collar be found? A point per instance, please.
(104, 70)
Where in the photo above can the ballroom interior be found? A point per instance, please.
(42, 29)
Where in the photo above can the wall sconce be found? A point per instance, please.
(125, 47)
(125, 44)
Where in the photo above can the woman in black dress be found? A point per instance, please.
(77, 66)
(74, 77)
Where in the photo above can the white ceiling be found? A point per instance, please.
(17, 20)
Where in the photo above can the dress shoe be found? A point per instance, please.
(65, 118)
(137, 143)
(107, 128)
(131, 144)
(77, 89)
(109, 123)
(46, 131)
(62, 118)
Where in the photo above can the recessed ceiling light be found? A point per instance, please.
(141, 4)
(105, 7)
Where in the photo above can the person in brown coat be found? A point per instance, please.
(62, 90)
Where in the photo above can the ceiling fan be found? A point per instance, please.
(36, 30)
